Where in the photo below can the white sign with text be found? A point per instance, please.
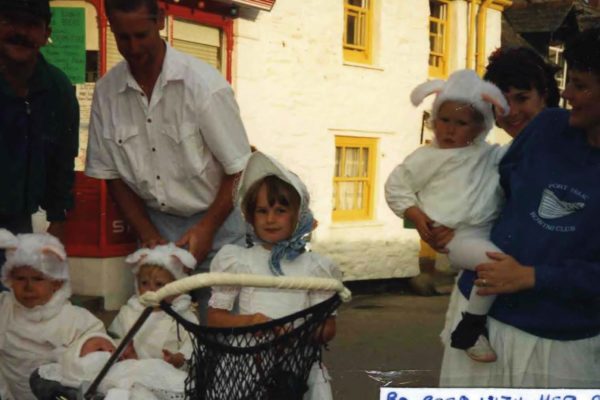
(487, 394)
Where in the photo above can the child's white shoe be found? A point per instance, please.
(482, 351)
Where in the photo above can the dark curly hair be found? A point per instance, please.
(523, 68)
(582, 52)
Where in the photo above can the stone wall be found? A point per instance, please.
(373, 259)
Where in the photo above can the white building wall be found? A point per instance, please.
(493, 34)
(459, 14)
(296, 94)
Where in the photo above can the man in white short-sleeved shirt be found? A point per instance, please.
(166, 134)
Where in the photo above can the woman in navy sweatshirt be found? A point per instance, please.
(545, 323)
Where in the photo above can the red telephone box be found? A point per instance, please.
(95, 227)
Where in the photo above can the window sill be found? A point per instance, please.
(360, 65)
(356, 224)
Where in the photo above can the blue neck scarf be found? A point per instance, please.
(294, 246)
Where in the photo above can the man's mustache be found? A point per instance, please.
(21, 40)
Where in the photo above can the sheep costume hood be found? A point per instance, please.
(261, 165)
(40, 251)
(464, 86)
(168, 256)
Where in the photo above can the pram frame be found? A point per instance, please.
(154, 299)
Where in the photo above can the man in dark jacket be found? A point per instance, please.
(39, 122)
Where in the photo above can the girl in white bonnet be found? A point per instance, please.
(159, 336)
(455, 183)
(37, 321)
(275, 202)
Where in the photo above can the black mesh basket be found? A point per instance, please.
(269, 361)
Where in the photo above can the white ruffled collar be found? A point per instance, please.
(45, 311)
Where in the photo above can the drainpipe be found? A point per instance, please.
(481, 34)
(503, 3)
(471, 35)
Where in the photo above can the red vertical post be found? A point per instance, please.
(103, 25)
(228, 29)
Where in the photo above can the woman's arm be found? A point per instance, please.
(504, 275)
(568, 278)
(327, 331)
(220, 318)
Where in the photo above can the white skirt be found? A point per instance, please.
(524, 360)
(319, 386)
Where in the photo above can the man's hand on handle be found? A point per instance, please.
(198, 240)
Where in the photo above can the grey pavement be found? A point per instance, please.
(391, 337)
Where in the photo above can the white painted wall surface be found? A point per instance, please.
(494, 30)
(296, 93)
(459, 12)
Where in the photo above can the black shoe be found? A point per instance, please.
(468, 330)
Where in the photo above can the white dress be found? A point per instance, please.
(160, 331)
(275, 303)
(524, 360)
(30, 338)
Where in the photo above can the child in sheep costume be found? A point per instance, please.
(454, 182)
(127, 379)
(37, 321)
(159, 336)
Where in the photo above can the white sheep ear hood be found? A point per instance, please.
(172, 258)
(40, 251)
(467, 87)
(261, 165)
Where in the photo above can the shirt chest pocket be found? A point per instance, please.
(123, 135)
(125, 143)
(186, 145)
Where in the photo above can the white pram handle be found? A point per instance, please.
(223, 279)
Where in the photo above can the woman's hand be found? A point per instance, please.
(503, 275)
(222, 318)
(258, 318)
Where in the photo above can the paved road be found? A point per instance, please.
(392, 334)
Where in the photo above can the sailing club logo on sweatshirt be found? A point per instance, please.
(551, 208)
